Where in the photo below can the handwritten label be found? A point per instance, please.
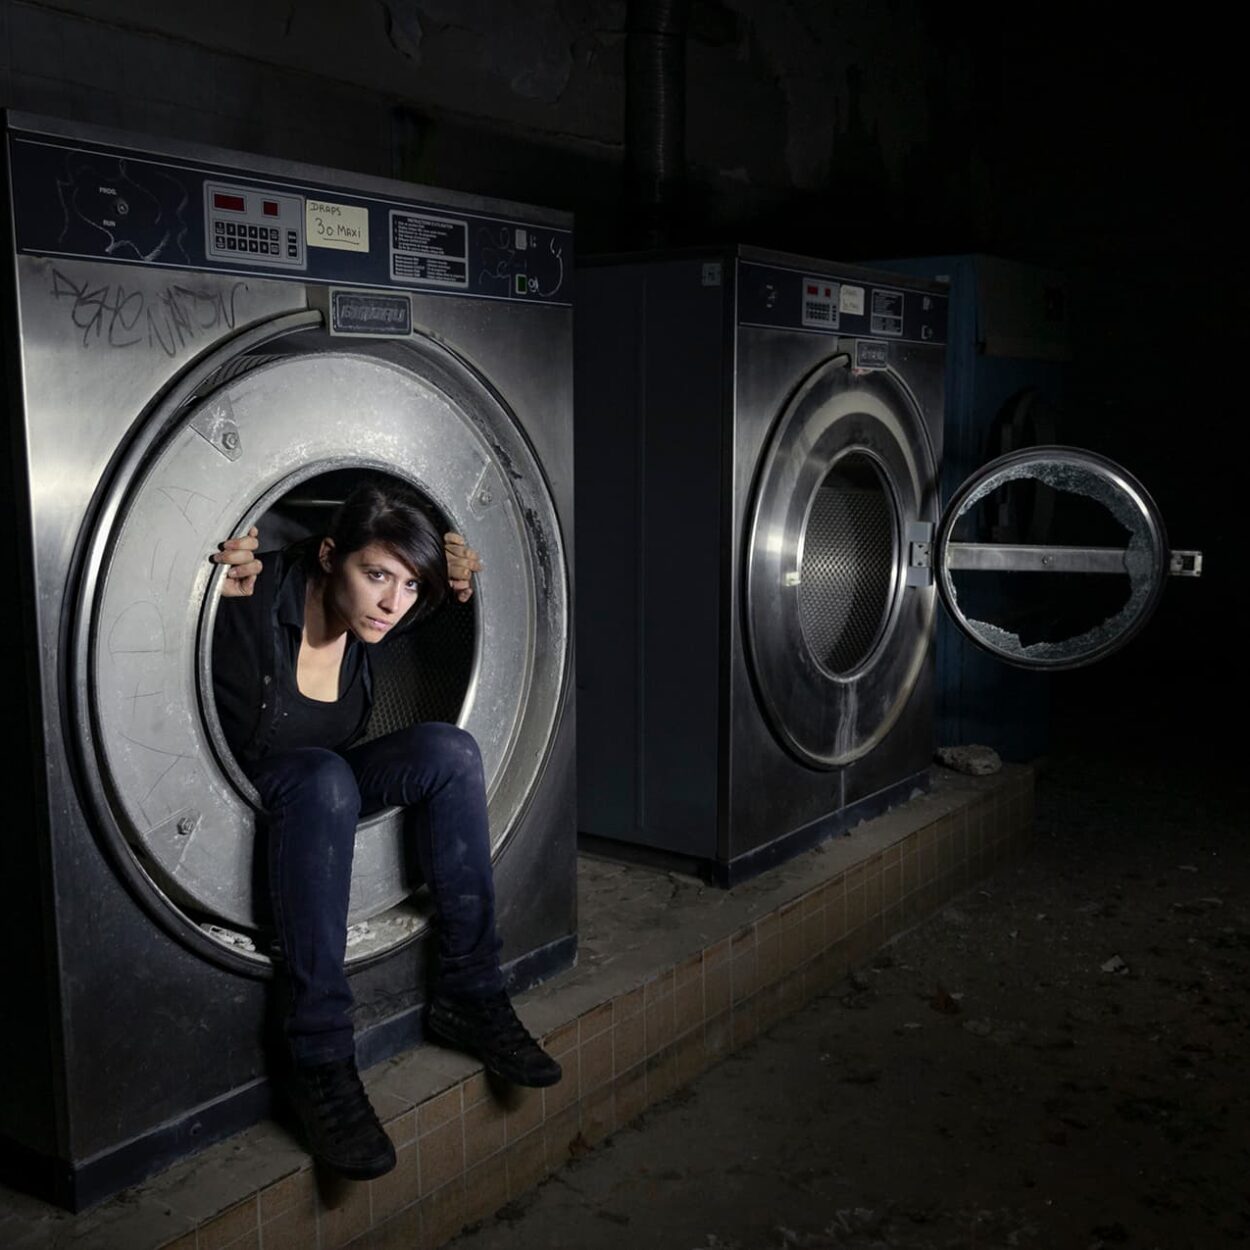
(341, 226)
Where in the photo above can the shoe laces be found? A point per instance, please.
(506, 1027)
(339, 1096)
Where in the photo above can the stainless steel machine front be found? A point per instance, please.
(196, 342)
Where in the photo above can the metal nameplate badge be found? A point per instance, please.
(378, 314)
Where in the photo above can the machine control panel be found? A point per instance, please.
(80, 199)
(853, 305)
(266, 226)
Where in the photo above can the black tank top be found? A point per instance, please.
(303, 722)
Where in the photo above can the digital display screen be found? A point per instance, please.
(235, 203)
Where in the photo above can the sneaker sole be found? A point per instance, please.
(450, 1040)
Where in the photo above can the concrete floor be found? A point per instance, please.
(1058, 1059)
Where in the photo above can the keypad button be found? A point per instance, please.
(292, 251)
(251, 232)
(229, 227)
(251, 245)
(219, 226)
(220, 241)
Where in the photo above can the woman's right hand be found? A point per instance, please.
(239, 554)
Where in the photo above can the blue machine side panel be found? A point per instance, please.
(981, 699)
(82, 200)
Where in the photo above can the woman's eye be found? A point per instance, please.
(414, 587)
(376, 575)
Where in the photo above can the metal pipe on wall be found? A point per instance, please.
(655, 118)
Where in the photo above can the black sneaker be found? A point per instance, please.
(489, 1028)
(340, 1125)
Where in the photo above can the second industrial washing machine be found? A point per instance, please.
(759, 441)
(195, 342)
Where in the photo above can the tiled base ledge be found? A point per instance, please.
(630, 1026)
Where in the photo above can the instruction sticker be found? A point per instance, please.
(887, 312)
(851, 300)
(341, 226)
(430, 249)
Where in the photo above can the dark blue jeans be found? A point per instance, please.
(313, 799)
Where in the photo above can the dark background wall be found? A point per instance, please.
(1052, 134)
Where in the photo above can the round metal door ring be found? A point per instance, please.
(1144, 559)
(835, 636)
(169, 791)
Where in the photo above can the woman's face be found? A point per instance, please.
(369, 590)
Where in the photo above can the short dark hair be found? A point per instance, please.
(382, 510)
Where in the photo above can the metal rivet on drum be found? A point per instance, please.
(187, 824)
(230, 440)
(484, 497)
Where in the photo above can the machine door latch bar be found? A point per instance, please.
(919, 553)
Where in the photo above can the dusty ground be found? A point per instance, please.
(1060, 1059)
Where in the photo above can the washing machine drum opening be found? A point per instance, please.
(258, 435)
(835, 636)
(845, 574)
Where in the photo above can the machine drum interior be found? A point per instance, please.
(847, 565)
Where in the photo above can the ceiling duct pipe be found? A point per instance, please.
(655, 118)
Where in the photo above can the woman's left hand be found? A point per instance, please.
(462, 563)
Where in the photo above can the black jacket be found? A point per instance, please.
(256, 642)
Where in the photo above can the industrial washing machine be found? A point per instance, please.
(197, 341)
(759, 441)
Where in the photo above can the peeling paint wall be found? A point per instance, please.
(525, 98)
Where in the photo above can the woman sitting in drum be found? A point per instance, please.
(292, 684)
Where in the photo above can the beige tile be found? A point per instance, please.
(293, 1229)
(631, 1095)
(790, 989)
(485, 1188)
(599, 1114)
(718, 1036)
(438, 1111)
(597, 1020)
(344, 1214)
(527, 1163)
(853, 878)
(856, 907)
(717, 979)
(297, 1190)
(625, 1006)
(911, 870)
(661, 1075)
(400, 1187)
(746, 1023)
(564, 1136)
(813, 933)
(892, 923)
(744, 964)
(872, 893)
(402, 1129)
(400, 1232)
(560, 1041)
(793, 944)
(442, 1155)
(688, 972)
(525, 1111)
(836, 920)
(485, 1131)
(891, 885)
(659, 1018)
(629, 1042)
(187, 1242)
(230, 1225)
(767, 953)
(249, 1241)
(566, 1090)
(688, 1008)
(595, 1062)
(475, 1089)
(690, 1056)
(769, 1010)
(442, 1214)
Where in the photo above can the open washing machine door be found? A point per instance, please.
(270, 415)
(837, 634)
(1111, 554)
